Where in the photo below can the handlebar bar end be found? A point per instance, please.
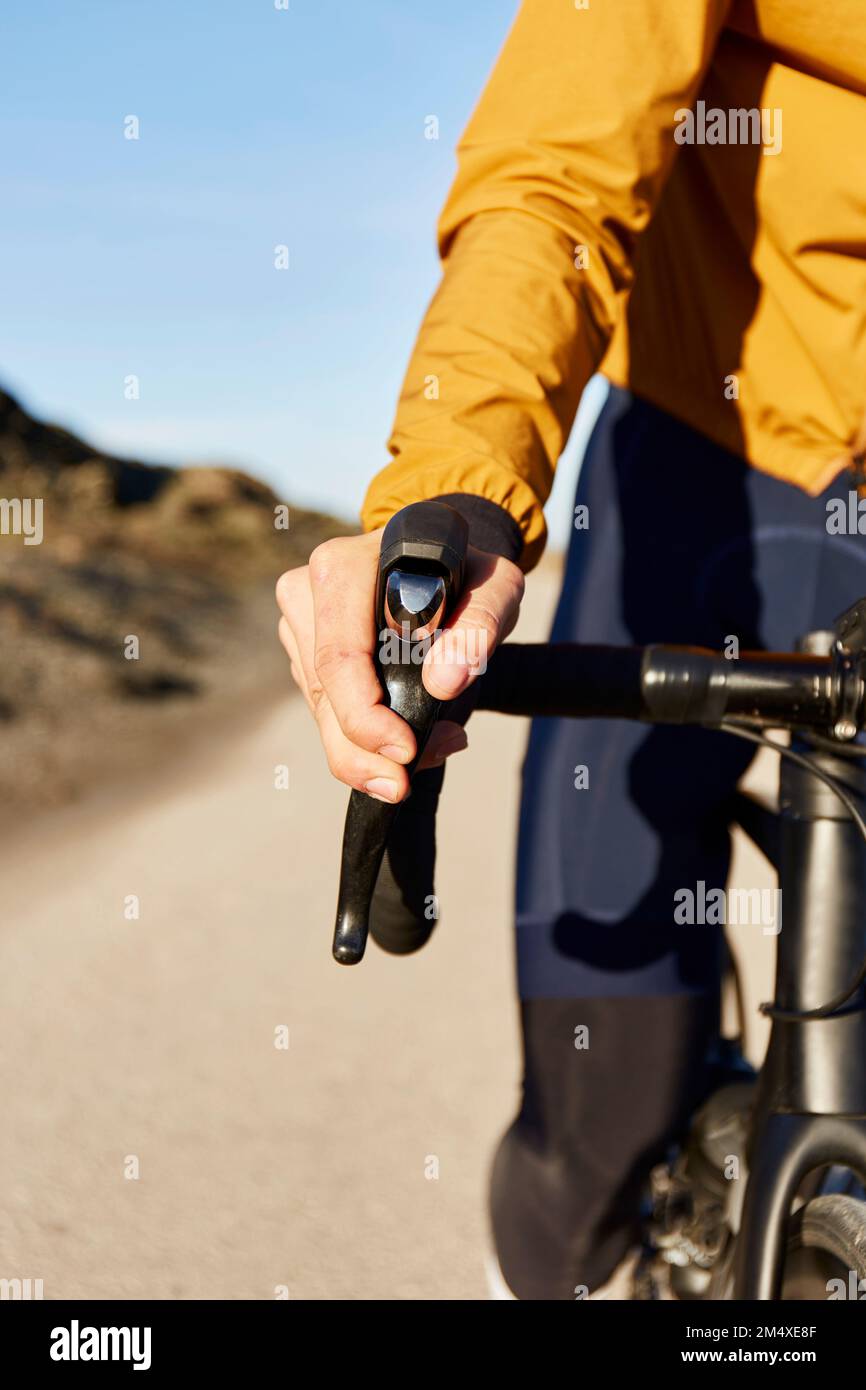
(350, 942)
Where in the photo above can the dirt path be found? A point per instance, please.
(153, 1039)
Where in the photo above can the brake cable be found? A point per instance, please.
(730, 726)
(831, 745)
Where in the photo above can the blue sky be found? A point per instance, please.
(155, 257)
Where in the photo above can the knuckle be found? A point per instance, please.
(481, 615)
(353, 726)
(286, 588)
(322, 561)
(341, 767)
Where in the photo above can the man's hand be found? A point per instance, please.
(328, 629)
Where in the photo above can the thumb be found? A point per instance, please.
(485, 614)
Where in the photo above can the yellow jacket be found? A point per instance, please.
(587, 227)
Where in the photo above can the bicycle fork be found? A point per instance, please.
(810, 1108)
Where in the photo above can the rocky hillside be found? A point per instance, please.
(148, 601)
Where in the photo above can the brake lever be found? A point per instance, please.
(421, 567)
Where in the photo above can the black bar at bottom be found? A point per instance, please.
(223, 1338)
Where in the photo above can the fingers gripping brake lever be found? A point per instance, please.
(421, 565)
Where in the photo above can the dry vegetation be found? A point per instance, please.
(183, 559)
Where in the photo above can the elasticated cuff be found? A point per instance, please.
(491, 527)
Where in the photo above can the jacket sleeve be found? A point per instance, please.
(559, 169)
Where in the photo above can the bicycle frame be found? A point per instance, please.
(810, 1107)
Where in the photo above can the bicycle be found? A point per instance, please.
(798, 1128)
